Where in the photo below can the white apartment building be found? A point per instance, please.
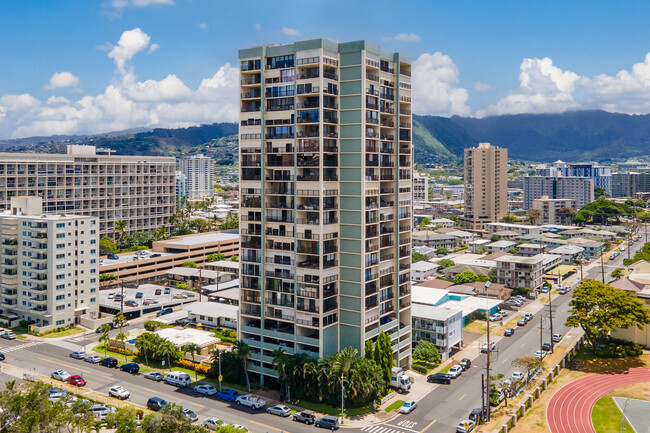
(49, 265)
(139, 190)
(520, 272)
(199, 170)
(420, 187)
(181, 186)
(580, 189)
(549, 208)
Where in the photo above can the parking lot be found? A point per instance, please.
(147, 298)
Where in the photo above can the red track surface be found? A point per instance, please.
(569, 410)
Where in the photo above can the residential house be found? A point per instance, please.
(422, 270)
(499, 246)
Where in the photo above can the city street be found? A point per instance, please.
(443, 408)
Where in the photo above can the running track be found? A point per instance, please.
(569, 410)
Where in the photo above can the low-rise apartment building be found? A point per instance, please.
(443, 327)
(49, 265)
(550, 207)
(520, 272)
(434, 240)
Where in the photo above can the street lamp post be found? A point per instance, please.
(489, 349)
(342, 400)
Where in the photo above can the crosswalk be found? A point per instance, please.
(22, 346)
(381, 429)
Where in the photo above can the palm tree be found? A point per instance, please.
(120, 229)
(242, 352)
(119, 320)
(342, 365)
(105, 337)
(167, 350)
(161, 233)
(192, 349)
(145, 345)
(121, 337)
(281, 361)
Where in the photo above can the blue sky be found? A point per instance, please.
(75, 66)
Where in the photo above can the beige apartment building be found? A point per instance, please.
(520, 272)
(549, 208)
(139, 190)
(486, 185)
(579, 189)
(326, 168)
(420, 187)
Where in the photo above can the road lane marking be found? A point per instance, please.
(108, 377)
(64, 365)
(462, 397)
(430, 424)
(196, 404)
(149, 389)
(523, 344)
(267, 426)
(504, 361)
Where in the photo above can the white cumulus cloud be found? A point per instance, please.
(62, 80)
(480, 86)
(203, 26)
(290, 32)
(435, 91)
(404, 37)
(131, 42)
(257, 27)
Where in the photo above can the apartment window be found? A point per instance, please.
(60, 322)
(92, 300)
(60, 246)
(60, 307)
(280, 62)
(60, 225)
(60, 287)
(60, 235)
(60, 297)
(60, 277)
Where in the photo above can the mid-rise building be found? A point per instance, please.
(486, 185)
(181, 186)
(139, 190)
(579, 189)
(199, 171)
(600, 174)
(520, 272)
(549, 208)
(49, 265)
(629, 184)
(325, 188)
(443, 327)
(420, 187)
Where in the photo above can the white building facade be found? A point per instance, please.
(199, 170)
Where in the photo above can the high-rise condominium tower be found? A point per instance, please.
(325, 157)
(486, 185)
(199, 171)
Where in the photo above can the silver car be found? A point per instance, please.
(279, 410)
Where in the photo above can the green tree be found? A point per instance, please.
(599, 309)
(105, 337)
(425, 222)
(369, 350)
(193, 349)
(384, 355)
(425, 351)
(234, 258)
(530, 363)
(281, 364)
(189, 264)
(445, 263)
(442, 251)
(146, 345)
(533, 215)
(242, 352)
(167, 350)
(465, 277)
(417, 257)
(617, 273)
(494, 238)
(121, 337)
(161, 233)
(511, 219)
(599, 192)
(216, 257)
(106, 246)
(120, 230)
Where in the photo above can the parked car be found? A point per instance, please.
(93, 359)
(509, 332)
(8, 335)
(465, 426)
(328, 422)
(79, 354)
(76, 380)
(178, 378)
(466, 363)
(556, 338)
(108, 362)
(119, 392)
(156, 403)
(190, 415)
(563, 291)
(167, 290)
(205, 389)
(305, 417)
(484, 347)
(439, 378)
(228, 395)
(154, 255)
(455, 371)
(540, 354)
(408, 407)
(2, 356)
(546, 346)
(518, 375)
(279, 410)
(112, 257)
(521, 322)
(212, 423)
(164, 311)
(131, 303)
(155, 376)
(61, 375)
(528, 317)
(139, 295)
(158, 292)
(131, 367)
(544, 289)
(496, 317)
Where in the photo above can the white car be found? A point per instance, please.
(557, 338)
(455, 371)
(540, 354)
(61, 375)
(408, 406)
(518, 375)
(205, 389)
(484, 347)
(279, 410)
(465, 426)
(212, 423)
(496, 317)
(93, 359)
(119, 392)
(111, 296)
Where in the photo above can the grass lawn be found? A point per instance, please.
(606, 417)
(66, 333)
(444, 369)
(20, 330)
(326, 409)
(395, 405)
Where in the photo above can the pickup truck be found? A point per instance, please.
(251, 401)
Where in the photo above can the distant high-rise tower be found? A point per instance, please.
(199, 171)
(486, 185)
(325, 188)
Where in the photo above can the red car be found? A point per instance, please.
(77, 380)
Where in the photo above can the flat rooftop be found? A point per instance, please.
(204, 238)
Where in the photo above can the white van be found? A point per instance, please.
(178, 378)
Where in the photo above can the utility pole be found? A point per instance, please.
(219, 370)
(201, 282)
(489, 350)
(486, 409)
(602, 264)
(541, 336)
(122, 297)
(342, 401)
(550, 314)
